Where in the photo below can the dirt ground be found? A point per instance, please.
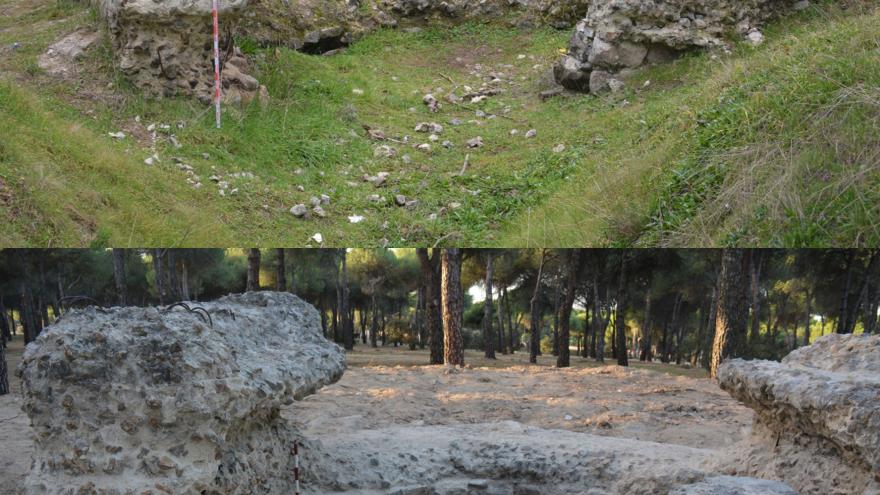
(654, 402)
(389, 387)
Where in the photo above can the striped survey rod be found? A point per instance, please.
(296, 467)
(216, 63)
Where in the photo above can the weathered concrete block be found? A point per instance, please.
(148, 400)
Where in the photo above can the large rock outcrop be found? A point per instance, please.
(817, 423)
(617, 35)
(153, 401)
(165, 47)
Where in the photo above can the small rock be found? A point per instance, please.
(299, 211)
(755, 37)
(117, 135)
(317, 210)
(400, 200)
(358, 92)
(356, 219)
(325, 199)
(431, 102)
(559, 148)
(429, 127)
(424, 147)
(318, 238)
(384, 151)
(531, 133)
(475, 142)
(314, 201)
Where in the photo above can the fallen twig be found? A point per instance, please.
(464, 167)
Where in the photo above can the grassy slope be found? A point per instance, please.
(638, 168)
(771, 146)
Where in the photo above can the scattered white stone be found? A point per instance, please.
(325, 199)
(429, 127)
(514, 132)
(299, 211)
(447, 144)
(117, 135)
(475, 142)
(318, 238)
(568, 417)
(433, 138)
(384, 151)
(314, 201)
(531, 133)
(425, 147)
(431, 102)
(755, 37)
(317, 210)
(358, 91)
(559, 148)
(400, 200)
(356, 219)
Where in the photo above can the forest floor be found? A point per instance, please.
(388, 388)
(764, 145)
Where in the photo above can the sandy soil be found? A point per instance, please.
(649, 403)
(386, 389)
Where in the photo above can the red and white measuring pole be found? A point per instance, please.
(296, 467)
(216, 62)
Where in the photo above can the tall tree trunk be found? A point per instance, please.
(159, 270)
(253, 270)
(756, 261)
(510, 328)
(563, 360)
(488, 336)
(808, 296)
(843, 319)
(502, 341)
(556, 302)
(173, 279)
(678, 327)
(430, 265)
(184, 280)
(453, 349)
(535, 314)
(119, 276)
(620, 320)
(585, 348)
(4, 368)
(348, 318)
(732, 314)
(281, 270)
(374, 326)
(646, 328)
(600, 323)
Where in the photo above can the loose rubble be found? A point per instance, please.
(621, 35)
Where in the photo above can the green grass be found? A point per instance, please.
(771, 146)
(714, 152)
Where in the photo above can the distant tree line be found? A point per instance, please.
(694, 307)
